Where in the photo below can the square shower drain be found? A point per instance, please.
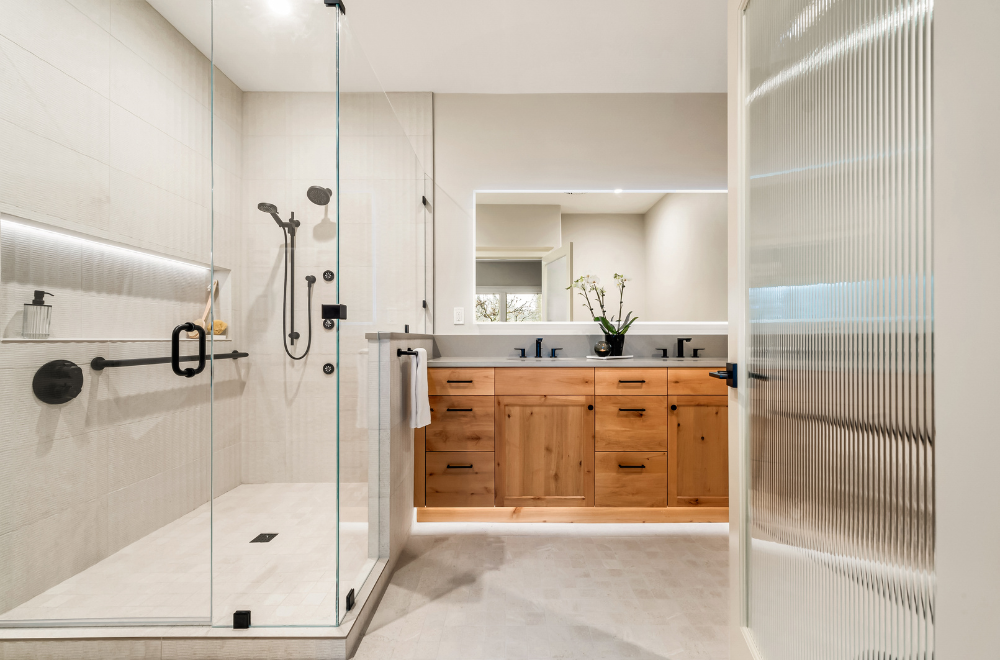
(263, 538)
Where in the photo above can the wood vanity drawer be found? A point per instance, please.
(694, 381)
(468, 381)
(544, 381)
(631, 478)
(612, 381)
(631, 423)
(460, 423)
(459, 478)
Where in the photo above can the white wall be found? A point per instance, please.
(560, 142)
(517, 226)
(686, 258)
(605, 244)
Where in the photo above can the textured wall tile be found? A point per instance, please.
(62, 36)
(75, 649)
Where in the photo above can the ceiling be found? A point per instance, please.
(465, 46)
(578, 202)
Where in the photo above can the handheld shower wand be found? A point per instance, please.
(288, 228)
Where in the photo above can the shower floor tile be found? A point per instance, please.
(290, 580)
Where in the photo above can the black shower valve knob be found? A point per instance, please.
(328, 275)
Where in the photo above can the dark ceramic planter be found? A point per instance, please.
(617, 343)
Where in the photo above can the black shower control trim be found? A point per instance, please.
(328, 275)
(57, 382)
(328, 368)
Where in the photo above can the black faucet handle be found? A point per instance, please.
(522, 352)
(666, 352)
(695, 351)
(553, 353)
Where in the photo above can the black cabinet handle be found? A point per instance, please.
(673, 407)
(631, 410)
(459, 381)
(591, 407)
(631, 381)
(459, 409)
(721, 375)
(175, 349)
(638, 467)
(451, 466)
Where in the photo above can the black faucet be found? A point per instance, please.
(680, 345)
(538, 347)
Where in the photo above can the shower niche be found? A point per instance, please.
(100, 289)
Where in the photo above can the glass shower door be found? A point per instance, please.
(106, 223)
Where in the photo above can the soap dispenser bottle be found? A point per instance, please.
(37, 316)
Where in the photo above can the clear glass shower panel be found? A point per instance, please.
(384, 222)
(839, 389)
(106, 223)
(275, 517)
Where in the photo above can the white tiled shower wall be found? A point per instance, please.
(289, 144)
(105, 131)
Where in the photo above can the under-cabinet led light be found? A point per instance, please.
(69, 238)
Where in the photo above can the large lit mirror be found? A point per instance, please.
(670, 246)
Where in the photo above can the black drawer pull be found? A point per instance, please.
(459, 381)
(450, 466)
(640, 467)
(459, 409)
(631, 381)
(631, 410)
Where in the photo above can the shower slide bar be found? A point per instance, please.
(99, 363)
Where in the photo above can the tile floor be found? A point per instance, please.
(290, 580)
(478, 592)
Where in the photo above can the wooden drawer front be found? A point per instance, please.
(631, 381)
(460, 423)
(618, 485)
(451, 484)
(691, 381)
(467, 381)
(543, 381)
(631, 423)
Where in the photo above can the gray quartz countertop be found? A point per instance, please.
(455, 362)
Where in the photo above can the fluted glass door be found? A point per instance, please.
(837, 388)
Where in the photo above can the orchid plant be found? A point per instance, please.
(591, 284)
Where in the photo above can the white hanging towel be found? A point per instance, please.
(420, 405)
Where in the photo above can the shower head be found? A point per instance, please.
(272, 210)
(319, 195)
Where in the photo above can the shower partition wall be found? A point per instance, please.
(135, 156)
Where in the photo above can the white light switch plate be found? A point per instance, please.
(459, 316)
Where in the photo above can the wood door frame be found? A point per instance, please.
(500, 444)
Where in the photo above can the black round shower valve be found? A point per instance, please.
(57, 382)
(328, 275)
(328, 368)
(328, 324)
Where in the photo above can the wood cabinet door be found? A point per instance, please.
(545, 450)
(698, 454)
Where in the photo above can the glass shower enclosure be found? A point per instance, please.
(218, 201)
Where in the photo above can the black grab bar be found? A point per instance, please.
(99, 363)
